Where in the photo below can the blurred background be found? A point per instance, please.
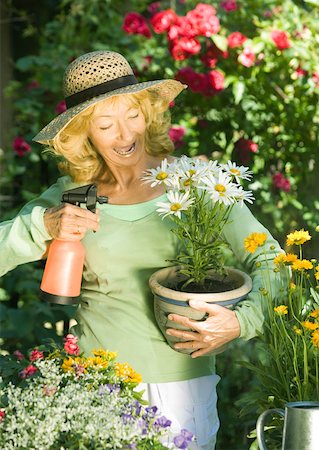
(252, 68)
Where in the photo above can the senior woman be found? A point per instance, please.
(114, 129)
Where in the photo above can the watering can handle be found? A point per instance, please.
(261, 423)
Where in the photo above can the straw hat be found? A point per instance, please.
(94, 77)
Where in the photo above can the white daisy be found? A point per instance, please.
(161, 175)
(237, 172)
(220, 189)
(244, 196)
(177, 202)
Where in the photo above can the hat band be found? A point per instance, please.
(103, 88)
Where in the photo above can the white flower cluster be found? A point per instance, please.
(221, 182)
(70, 415)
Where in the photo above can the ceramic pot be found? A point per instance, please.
(167, 300)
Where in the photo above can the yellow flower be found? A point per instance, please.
(109, 356)
(254, 240)
(310, 325)
(291, 257)
(127, 374)
(97, 362)
(298, 237)
(292, 286)
(281, 310)
(315, 313)
(297, 330)
(302, 264)
(317, 228)
(77, 365)
(317, 273)
(280, 259)
(315, 338)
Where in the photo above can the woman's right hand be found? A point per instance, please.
(70, 223)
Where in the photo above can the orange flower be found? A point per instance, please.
(315, 313)
(281, 310)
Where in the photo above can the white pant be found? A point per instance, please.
(188, 404)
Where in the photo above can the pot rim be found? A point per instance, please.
(167, 272)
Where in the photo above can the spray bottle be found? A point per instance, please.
(62, 277)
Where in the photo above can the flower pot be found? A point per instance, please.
(168, 300)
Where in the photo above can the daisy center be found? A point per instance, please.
(175, 206)
(235, 171)
(161, 175)
(220, 188)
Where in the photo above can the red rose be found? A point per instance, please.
(212, 55)
(184, 47)
(281, 182)
(203, 20)
(134, 23)
(60, 107)
(216, 80)
(229, 5)
(244, 148)
(162, 20)
(36, 354)
(176, 134)
(236, 39)
(247, 58)
(197, 82)
(28, 372)
(181, 28)
(280, 38)
(20, 146)
(2, 414)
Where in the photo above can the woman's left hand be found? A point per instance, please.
(220, 327)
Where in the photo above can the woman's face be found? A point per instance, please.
(117, 131)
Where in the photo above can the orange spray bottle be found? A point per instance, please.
(62, 277)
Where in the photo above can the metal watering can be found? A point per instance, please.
(301, 426)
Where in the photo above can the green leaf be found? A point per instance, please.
(238, 91)
(220, 42)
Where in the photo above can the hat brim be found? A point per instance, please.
(168, 89)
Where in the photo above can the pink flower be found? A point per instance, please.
(281, 182)
(247, 57)
(70, 345)
(184, 47)
(20, 146)
(19, 355)
(216, 80)
(203, 20)
(229, 5)
(280, 38)
(34, 84)
(176, 134)
(60, 107)
(163, 20)
(315, 77)
(244, 148)
(135, 23)
(28, 372)
(153, 7)
(36, 354)
(236, 39)
(2, 415)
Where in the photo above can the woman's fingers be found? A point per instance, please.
(70, 222)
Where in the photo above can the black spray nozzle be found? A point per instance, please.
(84, 194)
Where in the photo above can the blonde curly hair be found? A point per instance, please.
(79, 158)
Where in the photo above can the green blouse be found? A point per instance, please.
(116, 309)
